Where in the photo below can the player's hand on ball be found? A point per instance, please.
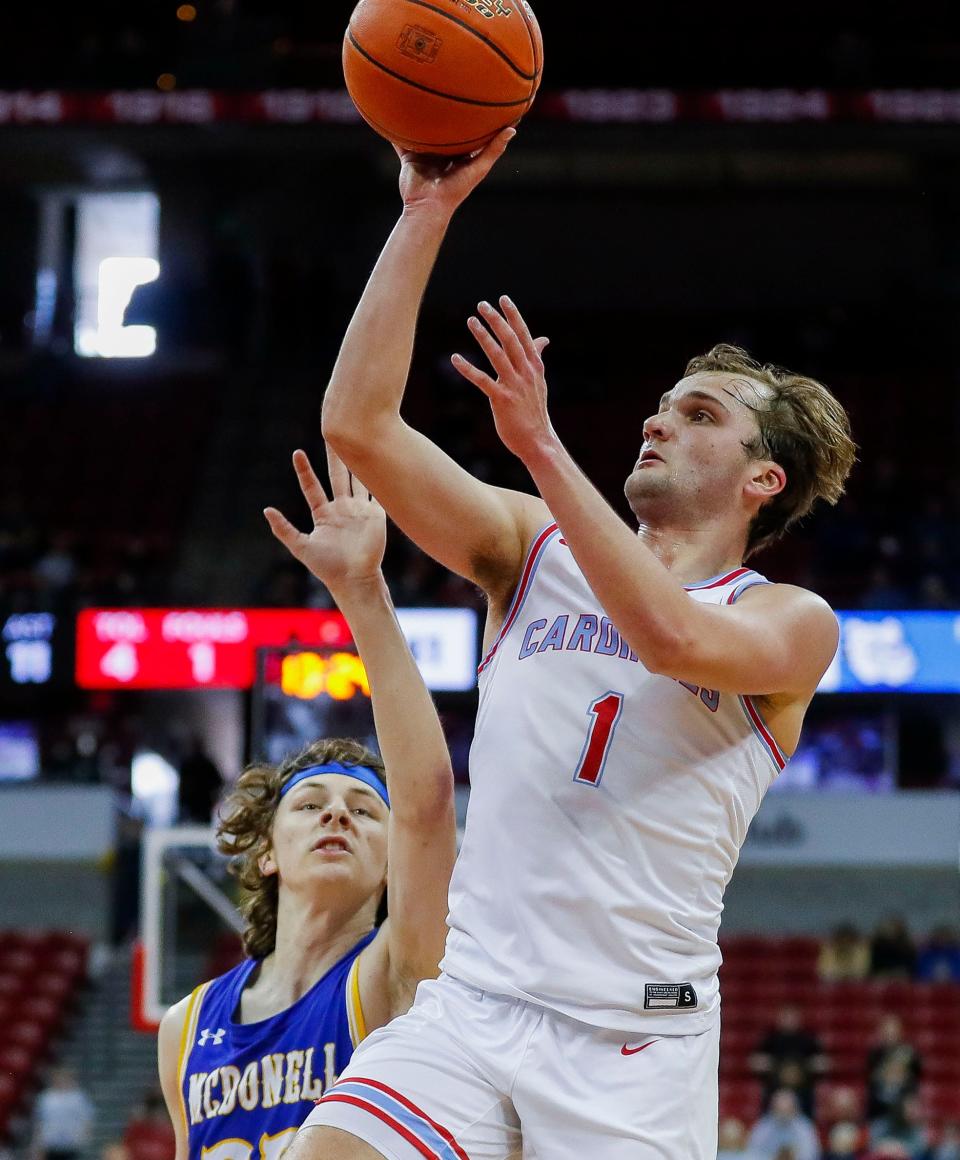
(349, 533)
(518, 395)
(442, 183)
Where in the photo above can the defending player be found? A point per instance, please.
(639, 694)
(317, 840)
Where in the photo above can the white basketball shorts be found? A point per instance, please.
(466, 1075)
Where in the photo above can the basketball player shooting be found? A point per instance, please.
(316, 840)
(641, 689)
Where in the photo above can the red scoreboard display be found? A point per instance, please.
(182, 648)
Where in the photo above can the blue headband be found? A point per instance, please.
(359, 772)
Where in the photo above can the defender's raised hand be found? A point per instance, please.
(518, 395)
(349, 534)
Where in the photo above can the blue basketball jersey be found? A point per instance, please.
(247, 1087)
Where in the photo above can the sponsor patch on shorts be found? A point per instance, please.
(663, 996)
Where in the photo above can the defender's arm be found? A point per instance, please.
(344, 550)
(168, 1059)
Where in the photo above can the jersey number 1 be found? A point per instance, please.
(605, 712)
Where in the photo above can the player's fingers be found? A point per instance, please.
(357, 487)
(519, 324)
(286, 533)
(339, 475)
(541, 345)
(495, 148)
(310, 486)
(484, 160)
(473, 374)
(490, 347)
(506, 335)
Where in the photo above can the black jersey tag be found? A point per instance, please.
(663, 996)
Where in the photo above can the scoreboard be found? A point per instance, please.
(181, 648)
(216, 648)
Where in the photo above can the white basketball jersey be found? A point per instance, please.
(607, 810)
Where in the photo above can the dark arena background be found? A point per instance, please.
(189, 208)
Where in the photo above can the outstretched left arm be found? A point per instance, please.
(776, 640)
(344, 550)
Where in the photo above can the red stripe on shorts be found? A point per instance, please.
(425, 1151)
(412, 1107)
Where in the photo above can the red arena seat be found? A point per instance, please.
(749, 948)
(148, 1140)
(67, 940)
(16, 1062)
(740, 1099)
(10, 985)
(53, 984)
(26, 1033)
(802, 946)
(847, 1064)
(9, 1088)
(845, 1039)
(32, 941)
(71, 963)
(40, 1009)
(943, 1068)
(942, 1100)
(15, 960)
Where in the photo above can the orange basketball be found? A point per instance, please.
(442, 76)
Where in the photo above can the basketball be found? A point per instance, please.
(443, 76)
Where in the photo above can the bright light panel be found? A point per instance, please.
(117, 241)
(154, 783)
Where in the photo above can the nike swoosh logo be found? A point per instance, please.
(635, 1050)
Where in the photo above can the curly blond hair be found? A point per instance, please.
(245, 822)
(803, 428)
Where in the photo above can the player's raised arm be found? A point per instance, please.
(344, 550)
(776, 641)
(479, 531)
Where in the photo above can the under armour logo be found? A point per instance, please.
(216, 1037)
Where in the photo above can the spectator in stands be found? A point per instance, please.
(200, 784)
(56, 569)
(939, 959)
(789, 1056)
(883, 591)
(149, 1134)
(888, 1087)
(843, 1142)
(948, 1146)
(934, 593)
(732, 1144)
(63, 1118)
(892, 953)
(844, 956)
(840, 1113)
(888, 1150)
(784, 1128)
(887, 1084)
(114, 1151)
(904, 1125)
